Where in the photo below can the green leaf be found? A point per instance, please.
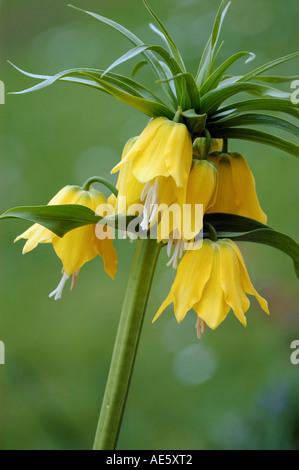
(232, 223)
(60, 219)
(138, 66)
(172, 46)
(275, 239)
(214, 79)
(150, 108)
(167, 58)
(268, 66)
(257, 136)
(255, 119)
(244, 229)
(150, 57)
(75, 75)
(277, 79)
(125, 57)
(191, 89)
(122, 88)
(205, 65)
(267, 104)
(211, 101)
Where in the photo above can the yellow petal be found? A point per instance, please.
(76, 248)
(141, 142)
(192, 274)
(34, 235)
(246, 282)
(165, 304)
(230, 279)
(107, 251)
(244, 189)
(81, 245)
(236, 192)
(212, 307)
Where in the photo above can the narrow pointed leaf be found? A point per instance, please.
(275, 239)
(150, 57)
(206, 61)
(211, 101)
(257, 136)
(217, 75)
(277, 79)
(262, 104)
(255, 119)
(172, 46)
(124, 90)
(269, 65)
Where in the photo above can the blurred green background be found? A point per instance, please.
(234, 389)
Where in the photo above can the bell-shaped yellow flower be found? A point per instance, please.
(236, 192)
(78, 246)
(212, 280)
(200, 195)
(160, 161)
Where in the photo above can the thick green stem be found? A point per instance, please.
(126, 343)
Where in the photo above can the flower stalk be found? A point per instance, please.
(126, 343)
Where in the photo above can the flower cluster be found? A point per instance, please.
(179, 163)
(159, 169)
(164, 169)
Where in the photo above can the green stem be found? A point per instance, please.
(126, 343)
(224, 146)
(99, 179)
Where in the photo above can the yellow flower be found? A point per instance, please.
(160, 161)
(212, 280)
(78, 246)
(236, 192)
(200, 191)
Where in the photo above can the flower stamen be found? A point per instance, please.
(57, 293)
(150, 196)
(200, 327)
(179, 247)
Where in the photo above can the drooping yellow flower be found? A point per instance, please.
(200, 195)
(160, 161)
(236, 192)
(78, 246)
(212, 280)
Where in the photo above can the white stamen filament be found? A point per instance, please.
(179, 246)
(150, 197)
(57, 293)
